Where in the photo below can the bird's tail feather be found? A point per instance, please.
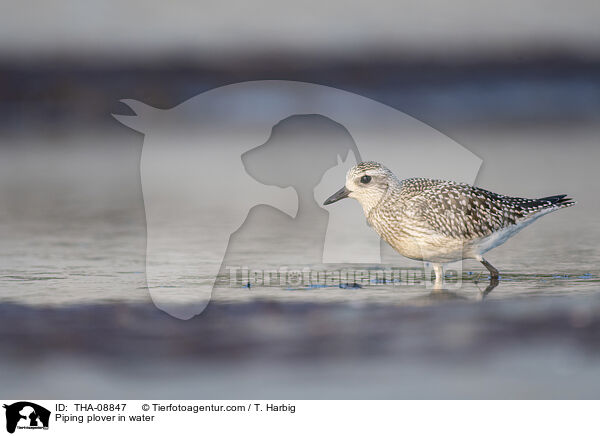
(559, 201)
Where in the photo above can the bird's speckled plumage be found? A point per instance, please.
(441, 221)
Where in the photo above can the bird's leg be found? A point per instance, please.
(494, 274)
(439, 276)
(489, 288)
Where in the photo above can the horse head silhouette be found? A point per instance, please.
(208, 161)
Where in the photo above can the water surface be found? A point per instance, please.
(77, 319)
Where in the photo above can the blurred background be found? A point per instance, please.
(517, 83)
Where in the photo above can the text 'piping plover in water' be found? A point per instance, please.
(440, 221)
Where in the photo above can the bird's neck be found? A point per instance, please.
(369, 205)
(373, 203)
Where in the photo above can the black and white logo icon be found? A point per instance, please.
(26, 415)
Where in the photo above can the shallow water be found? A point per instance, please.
(72, 275)
(539, 348)
(58, 263)
(70, 266)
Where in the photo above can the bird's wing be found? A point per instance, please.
(467, 212)
(416, 185)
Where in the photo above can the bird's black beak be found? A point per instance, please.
(342, 193)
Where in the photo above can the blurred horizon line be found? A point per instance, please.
(551, 87)
(534, 54)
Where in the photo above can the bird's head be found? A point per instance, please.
(367, 182)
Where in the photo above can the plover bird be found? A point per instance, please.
(440, 221)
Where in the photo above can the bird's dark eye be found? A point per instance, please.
(365, 179)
